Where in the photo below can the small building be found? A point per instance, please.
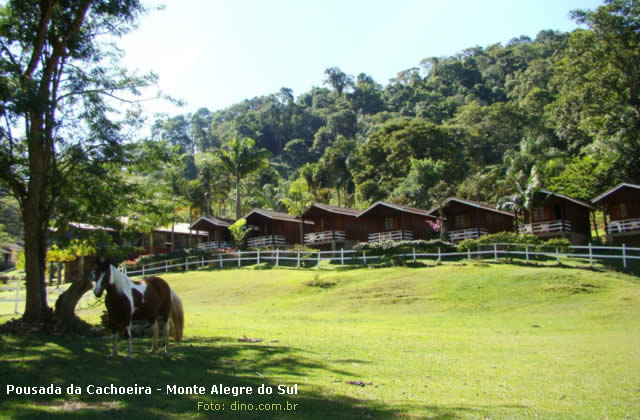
(273, 229)
(464, 219)
(556, 215)
(621, 212)
(9, 254)
(334, 227)
(170, 238)
(217, 229)
(385, 221)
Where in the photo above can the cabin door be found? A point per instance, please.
(557, 210)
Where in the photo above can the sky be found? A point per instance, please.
(214, 53)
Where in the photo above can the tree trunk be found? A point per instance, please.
(66, 304)
(238, 203)
(173, 236)
(34, 259)
(443, 229)
(302, 232)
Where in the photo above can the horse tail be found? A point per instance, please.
(177, 316)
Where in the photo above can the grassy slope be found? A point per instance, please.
(448, 341)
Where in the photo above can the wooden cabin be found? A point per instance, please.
(273, 229)
(333, 227)
(385, 221)
(555, 215)
(621, 212)
(9, 255)
(465, 219)
(217, 230)
(170, 238)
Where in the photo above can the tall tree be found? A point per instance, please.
(240, 157)
(58, 87)
(599, 83)
(298, 200)
(337, 79)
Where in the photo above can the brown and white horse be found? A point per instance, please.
(128, 300)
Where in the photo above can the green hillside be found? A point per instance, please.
(468, 341)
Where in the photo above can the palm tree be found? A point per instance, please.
(240, 158)
(298, 200)
(523, 200)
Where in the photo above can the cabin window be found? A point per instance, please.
(538, 214)
(388, 223)
(623, 210)
(460, 221)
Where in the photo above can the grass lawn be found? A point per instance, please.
(461, 340)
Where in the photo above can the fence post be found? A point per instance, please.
(277, 257)
(364, 258)
(239, 257)
(166, 266)
(624, 255)
(142, 270)
(557, 256)
(341, 257)
(15, 306)
(318, 264)
(469, 254)
(526, 251)
(298, 260)
(414, 254)
(495, 251)
(439, 257)
(202, 261)
(590, 256)
(258, 257)
(220, 259)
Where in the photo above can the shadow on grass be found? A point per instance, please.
(63, 361)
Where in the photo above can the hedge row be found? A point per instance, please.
(390, 248)
(518, 241)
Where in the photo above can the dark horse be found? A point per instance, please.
(129, 300)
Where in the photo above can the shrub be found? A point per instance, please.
(501, 238)
(517, 242)
(391, 248)
(561, 244)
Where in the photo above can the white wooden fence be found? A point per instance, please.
(17, 297)
(310, 258)
(349, 257)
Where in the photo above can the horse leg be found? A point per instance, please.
(154, 329)
(114, 340)
(129, 343)
(166, 336)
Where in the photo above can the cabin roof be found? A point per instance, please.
(181, 228)
(573, 200)
(216, 221)
(413, 210)
(275, 215)
(472, 204)
(333, 209)
(87, 226)
(614, 189)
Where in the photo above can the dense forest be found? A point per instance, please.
(561, 110)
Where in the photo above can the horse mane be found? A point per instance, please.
(122, 283)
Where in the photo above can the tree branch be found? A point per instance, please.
(46, 8)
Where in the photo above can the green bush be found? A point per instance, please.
(561, 244)
(517, 241)
(502, 238)
(177, 255)
(391, 248)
